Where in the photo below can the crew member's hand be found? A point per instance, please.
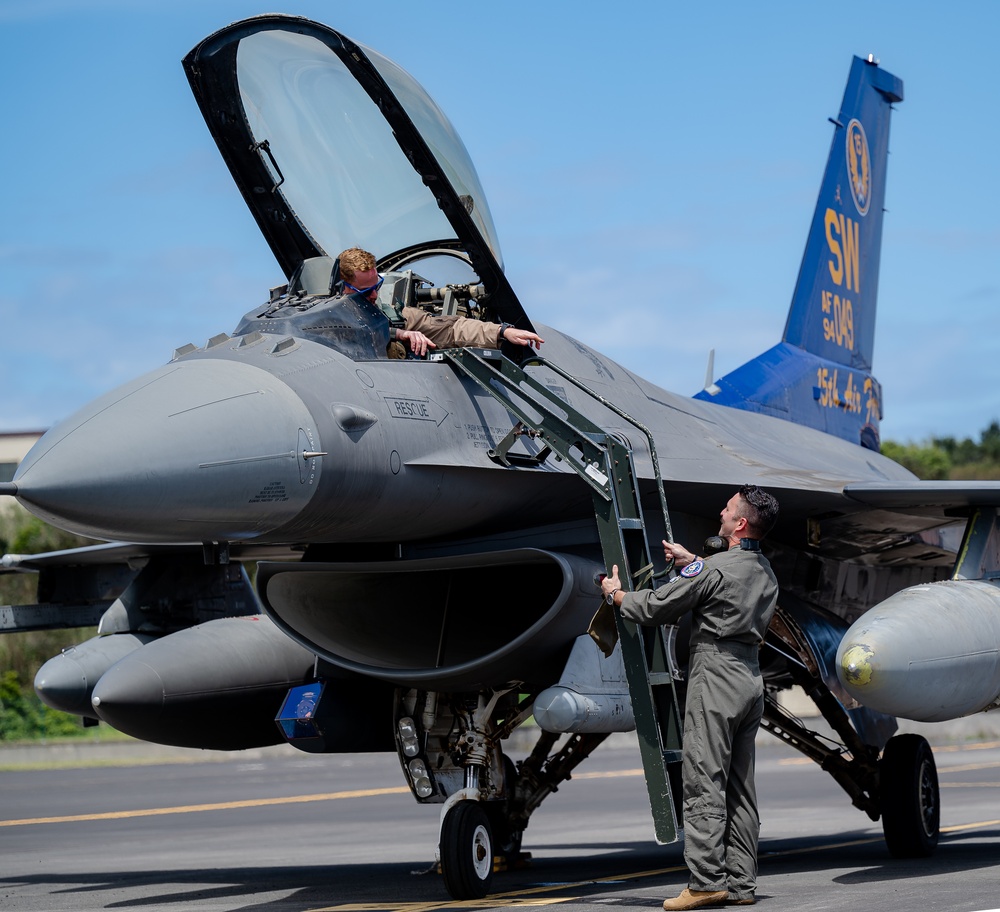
(522, 337)
(678, 554)
(610, 583)
(418, 342)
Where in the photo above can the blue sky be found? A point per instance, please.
(652, 168)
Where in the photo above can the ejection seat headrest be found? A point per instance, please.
(316, 276)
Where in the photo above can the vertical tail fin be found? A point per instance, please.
(833, 308)
(820, 374)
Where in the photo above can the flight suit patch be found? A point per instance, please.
(693, 569)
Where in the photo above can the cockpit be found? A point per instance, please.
(334, 146)
(316, 305)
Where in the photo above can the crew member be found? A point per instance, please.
(423, 330)
(731, 597)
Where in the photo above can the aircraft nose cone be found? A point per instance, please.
(199, 450)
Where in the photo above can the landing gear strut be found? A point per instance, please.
(450, 750)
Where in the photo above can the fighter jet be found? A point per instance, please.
(428, 533)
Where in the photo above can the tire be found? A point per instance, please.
(467, 851)
(909, 797)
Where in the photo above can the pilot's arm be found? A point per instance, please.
(669, 602)
(424, 331)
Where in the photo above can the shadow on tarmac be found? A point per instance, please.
(629, 869)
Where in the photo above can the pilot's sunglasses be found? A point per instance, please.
(368, 290)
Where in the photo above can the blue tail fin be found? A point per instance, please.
(820, 373)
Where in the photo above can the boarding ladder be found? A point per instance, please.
(604, 461)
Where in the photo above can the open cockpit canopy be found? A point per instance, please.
(333, 146)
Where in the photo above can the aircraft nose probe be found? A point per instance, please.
(8, 488)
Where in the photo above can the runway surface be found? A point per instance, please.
(282, 831)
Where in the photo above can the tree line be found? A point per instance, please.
(946, 458)
(22, 715)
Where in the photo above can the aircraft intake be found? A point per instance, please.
(449, 624)
(927, 653)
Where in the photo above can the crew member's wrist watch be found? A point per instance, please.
(610, 597)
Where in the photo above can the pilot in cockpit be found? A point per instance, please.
(424, 331)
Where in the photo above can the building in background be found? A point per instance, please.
(14, 446)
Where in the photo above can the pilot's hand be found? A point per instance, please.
(418, 342)
(522, 337)
(610, 583)
(678, 554)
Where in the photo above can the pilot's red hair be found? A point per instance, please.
(355, 260)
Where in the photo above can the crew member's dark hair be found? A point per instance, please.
(760, 510)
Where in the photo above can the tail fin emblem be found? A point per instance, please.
(859, 166)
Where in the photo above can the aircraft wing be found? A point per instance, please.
(78, 586)
(123, 553)
(940, 499)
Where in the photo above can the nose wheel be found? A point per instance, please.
(467, 851)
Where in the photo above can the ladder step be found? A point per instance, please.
(604, 461)
(660, 677)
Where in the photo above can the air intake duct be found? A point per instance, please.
(454, 623)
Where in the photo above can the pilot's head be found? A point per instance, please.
(750, 513)
(358, 272)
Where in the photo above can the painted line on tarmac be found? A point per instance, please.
(610, 774)
(806, 761)
(370, 793)
(254, 802)
(962, 827)
(220, 806)
(953, 748)
(968, 766)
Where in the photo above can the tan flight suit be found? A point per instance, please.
(452, 332)
(731, 597)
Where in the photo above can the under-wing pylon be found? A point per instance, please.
(427, 532)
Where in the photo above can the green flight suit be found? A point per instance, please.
(731, 597)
